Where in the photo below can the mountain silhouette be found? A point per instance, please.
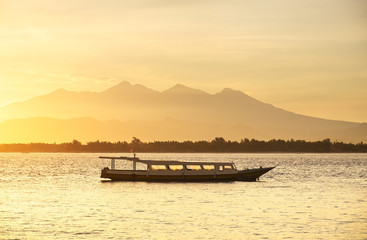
(178, 113)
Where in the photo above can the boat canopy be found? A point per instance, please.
(162, 162)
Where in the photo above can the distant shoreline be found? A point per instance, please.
(218, 145)
(192, 152)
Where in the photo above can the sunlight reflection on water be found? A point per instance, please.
(60, 196)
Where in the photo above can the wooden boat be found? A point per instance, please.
(178, 171)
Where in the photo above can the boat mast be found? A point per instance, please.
(134, 161)
(112, 163)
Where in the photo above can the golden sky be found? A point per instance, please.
(308, 57)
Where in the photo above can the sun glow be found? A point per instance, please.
(308, 58)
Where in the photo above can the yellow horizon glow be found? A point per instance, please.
(305, 57)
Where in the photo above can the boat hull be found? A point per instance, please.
(249, 175)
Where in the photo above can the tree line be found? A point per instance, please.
(217, 145)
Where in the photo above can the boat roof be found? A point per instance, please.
(165, 162)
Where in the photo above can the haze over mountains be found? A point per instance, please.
(179, 113)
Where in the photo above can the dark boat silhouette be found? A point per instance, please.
(179, 171)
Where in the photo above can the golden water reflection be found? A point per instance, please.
(60, 196)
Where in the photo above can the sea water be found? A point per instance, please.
(61, 196)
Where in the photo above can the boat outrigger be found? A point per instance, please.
(178, 171)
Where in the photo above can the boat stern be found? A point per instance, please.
(104, 172)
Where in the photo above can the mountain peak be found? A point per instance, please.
(60, 90)
(181, 89)
(126, 86)
(121, 85)
(230, 91)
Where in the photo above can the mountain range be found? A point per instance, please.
(179, 113)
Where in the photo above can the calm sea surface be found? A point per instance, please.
(61, 196)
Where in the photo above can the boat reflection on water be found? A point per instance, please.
(179, 171)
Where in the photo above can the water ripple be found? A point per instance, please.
(60, 196)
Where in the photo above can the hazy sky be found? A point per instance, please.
(308, 57)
